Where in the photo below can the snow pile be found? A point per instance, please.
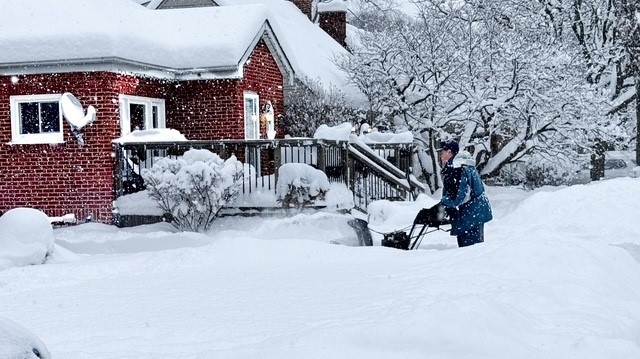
(152, 135)
(386, 137)
(138, 203)
(568, 211)
(26, 237)
(98, 238)
(300, 184)
(344, 132)
(333, 6)
(16, 342)
(341, 132)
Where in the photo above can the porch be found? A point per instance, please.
(369, 171)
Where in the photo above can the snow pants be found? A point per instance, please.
(471, 236)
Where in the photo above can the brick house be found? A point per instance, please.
(194, 70)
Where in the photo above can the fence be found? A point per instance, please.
(371, 172)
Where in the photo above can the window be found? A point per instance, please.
(36, 119)
(140, 113)
(251, 117)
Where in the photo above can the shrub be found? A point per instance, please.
(191, 189)
(26, 237)
(300, 185)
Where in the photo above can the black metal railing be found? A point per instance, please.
(371, 172)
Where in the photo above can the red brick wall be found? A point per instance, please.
(61, 178)
(262, 76)
(213, 109)
(66, 178)
(304, 6)
(204, 109)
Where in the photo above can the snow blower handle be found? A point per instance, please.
(441, 215)
(432, 217)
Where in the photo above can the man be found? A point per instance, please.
(463, 195)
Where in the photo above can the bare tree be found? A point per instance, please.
(497, 75)
(629, 32)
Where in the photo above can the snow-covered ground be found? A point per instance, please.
(558, 277)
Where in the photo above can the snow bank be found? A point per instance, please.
(583, 209)
(273, 286)
(16, 342)
(138, 203)
(26, 237)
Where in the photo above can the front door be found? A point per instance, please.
(252, 128)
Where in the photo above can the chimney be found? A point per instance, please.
(304, 6)
(332, 16)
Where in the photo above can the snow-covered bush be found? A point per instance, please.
(193, 188)
(16, 342)
(538, 170)
(26, 237)
(300, 185)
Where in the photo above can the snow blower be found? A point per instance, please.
(433, 217)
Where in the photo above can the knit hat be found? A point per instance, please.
(451, 145)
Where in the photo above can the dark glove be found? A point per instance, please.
(442, 213)
(451, 212)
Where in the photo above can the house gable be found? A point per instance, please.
(213, 109)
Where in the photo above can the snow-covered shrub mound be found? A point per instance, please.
(193, 187)
(341, 132)
(300, 185)
(26, 237)
(582, 209)
(16, 342)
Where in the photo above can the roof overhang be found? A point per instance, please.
(120, 65)
(123, 65)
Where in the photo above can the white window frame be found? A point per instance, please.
(148, 103)
(33, 138)
(256, 121)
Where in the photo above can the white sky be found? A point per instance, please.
(556, 278)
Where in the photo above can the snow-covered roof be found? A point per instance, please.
(309, 49)
(68, 35)
(38, 34)
(333, 6)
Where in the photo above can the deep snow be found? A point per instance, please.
(556, 278)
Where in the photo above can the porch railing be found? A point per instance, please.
(371, 172)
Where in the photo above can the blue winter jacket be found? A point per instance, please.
(471, 205)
